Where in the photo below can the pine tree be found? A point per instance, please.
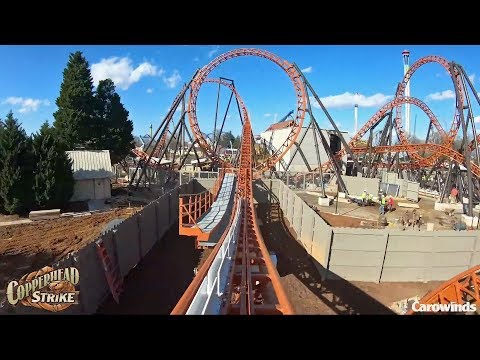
(15, 167)
(53, 180)
(75, 115)
(113, 128)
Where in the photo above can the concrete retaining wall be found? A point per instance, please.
(357, 254)
(356, 185)
(376, 255)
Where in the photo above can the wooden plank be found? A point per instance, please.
(408, 205)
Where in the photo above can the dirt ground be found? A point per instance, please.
(346, 221)
(308, 294)
(28, 247)
(348, 212)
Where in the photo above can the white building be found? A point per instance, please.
(278, 133)
(92, 171)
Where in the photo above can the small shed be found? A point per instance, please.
(92, 172)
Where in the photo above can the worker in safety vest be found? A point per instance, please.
(382, 205)
(364, 197)
(370, 199)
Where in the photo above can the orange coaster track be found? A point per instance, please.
(254, 286)
(445, 149)
(464, 287)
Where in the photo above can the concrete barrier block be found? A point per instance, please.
(298, 214)
(128, 245)
(356, 258)
(322, 236)
(147, 225)
(406, 241)
(408, 259)
(471, 221)
(306, 232)
(290, 206)
(358, 241)
(453, 241)
(93, 284)
(448, 259)
(444, 207)
(443, 273)
(162, 216)
(323, 201)
(475, 259)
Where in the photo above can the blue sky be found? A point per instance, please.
(149, 77)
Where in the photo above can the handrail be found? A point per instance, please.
(184, 303)
(210, 295)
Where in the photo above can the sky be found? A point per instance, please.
(148, 78)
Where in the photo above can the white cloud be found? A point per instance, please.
(307, 70)
(444, 95)
(477, 119)
(173, 80)
(196, 59)
(348, 99)
(472, 78)
(26, 104)
(213, 51)
(149, 90)
(121, 71)
(267, 115)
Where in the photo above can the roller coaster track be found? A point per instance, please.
(464, 287)
(239, 277)
(417, 161)
(439, 150)
(300, 92)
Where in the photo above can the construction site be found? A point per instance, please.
(296, 220)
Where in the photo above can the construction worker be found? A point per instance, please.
(370, 199)
(415, 219)
(390, 203)
(405, 220)
(364, 197)
(453, 195)
(382, 205)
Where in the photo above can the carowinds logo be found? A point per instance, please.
(450, 307)
(48, 289)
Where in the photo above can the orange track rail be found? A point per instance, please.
(255, 287)
(255, 284)
(398, 101)
(464, 287)
(300, 93)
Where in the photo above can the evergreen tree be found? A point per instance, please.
(75, 115)
(53, 180)
(113, 129)
(15, 167)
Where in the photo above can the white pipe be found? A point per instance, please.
(406, 66)
(356, 118)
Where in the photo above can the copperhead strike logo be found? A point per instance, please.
(48, 289)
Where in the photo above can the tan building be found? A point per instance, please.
(92, 171)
